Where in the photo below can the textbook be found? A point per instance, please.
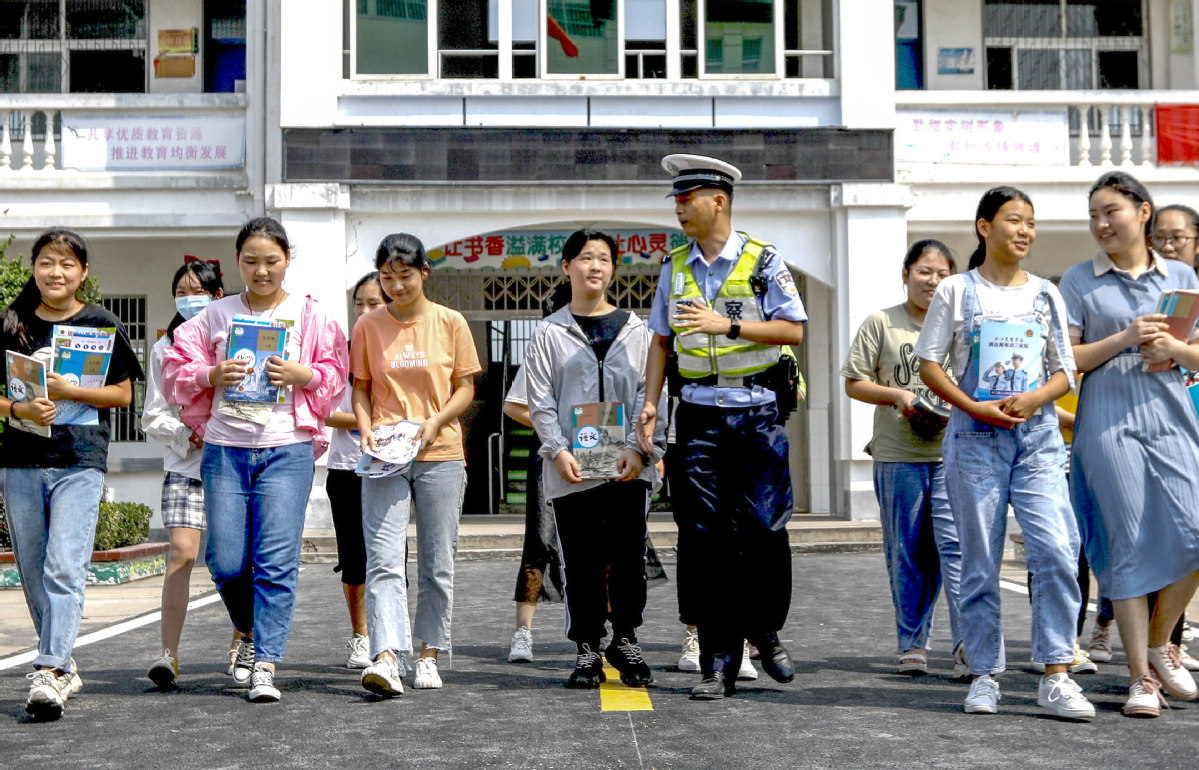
(597, 438)
(374, 468)
(82, 355)
(396, 444)
(1181, 307)
(26, 381)
(253, 341)
(1009, 359)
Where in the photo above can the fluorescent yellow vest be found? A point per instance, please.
(702, 355)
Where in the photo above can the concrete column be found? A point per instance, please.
(869, 240)
(315, 218)
(866, 64)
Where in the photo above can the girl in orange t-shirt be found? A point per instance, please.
(412, 360)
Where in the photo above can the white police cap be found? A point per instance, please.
(693, 172)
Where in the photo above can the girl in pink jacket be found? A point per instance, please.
(259, 446)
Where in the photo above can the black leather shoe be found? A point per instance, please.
(589, 669)
(713, 687)
(774, 658)
(625, 656)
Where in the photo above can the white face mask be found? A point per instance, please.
(189, 307)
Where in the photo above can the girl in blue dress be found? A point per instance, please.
(1136, 451)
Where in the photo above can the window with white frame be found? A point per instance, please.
(592, 39)
(1065, 44)
(72, 46)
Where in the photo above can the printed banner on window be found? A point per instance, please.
(531, 248)
(113, 142)
(985, 137)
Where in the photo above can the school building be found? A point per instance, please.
(493, 128)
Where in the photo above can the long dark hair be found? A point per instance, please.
(210, 281)
(920, 248)
(1130, 187)
(30, 296)
(404, 248)
(264, 227)
(988, 206)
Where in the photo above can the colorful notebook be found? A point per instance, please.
(1181, 307)
(26, 381)
(82, 355)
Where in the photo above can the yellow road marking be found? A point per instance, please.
(616, 696)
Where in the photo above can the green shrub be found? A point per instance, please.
(120, 524)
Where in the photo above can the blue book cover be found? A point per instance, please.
(253, 342)
(1009, 359)
(81, 354)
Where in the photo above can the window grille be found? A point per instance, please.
(131, 312)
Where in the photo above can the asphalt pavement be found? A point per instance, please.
(846, 708)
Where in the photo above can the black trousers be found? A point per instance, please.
(345, 503)
(602, 535)
(734, 572)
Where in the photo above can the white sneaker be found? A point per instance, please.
(521, 650)
(983, 697)
(1166, 664)
(358, 651)
(689, 660)
(747, 672)
(262, 685)
(1062, 695)
(1082, 663)
(1188, 631)
(1100, 648)
(243, 662)
(72, 683)
(45, 699)
(1144, 699)
(382, 677)
(164, 671)
(426, 676)
(1188, 661)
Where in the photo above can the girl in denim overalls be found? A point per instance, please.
(1003, 447)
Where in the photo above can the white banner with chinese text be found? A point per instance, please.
(987, 137)
(124, 142)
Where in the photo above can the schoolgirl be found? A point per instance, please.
(413, 360)
(920, 540)
(1135, 470)
(1003, 447)
(579, 361)
(344, 488)
(257, 465)
(52, 484)
(196, 283)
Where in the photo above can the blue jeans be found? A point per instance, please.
(52, 516)
(255, 501)
(921, 544)
(986, 468)
(432, 491)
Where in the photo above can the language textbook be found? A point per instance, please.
(395, 449)
(26, 381)
(597, 438)
(82, 355)
(253, 341)
(1181, 307)
(1009, 359)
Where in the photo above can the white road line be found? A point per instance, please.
(636, 745)
(1020, 588)
(108, 633)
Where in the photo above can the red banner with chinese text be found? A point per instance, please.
(1177, 134)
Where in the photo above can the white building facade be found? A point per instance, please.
(492, 128)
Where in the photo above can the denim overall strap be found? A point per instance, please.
(968, 380)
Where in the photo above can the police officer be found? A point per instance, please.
(725, 306)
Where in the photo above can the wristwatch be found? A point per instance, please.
(734, 329)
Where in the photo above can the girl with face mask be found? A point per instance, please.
(196, 283)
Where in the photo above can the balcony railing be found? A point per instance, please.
(31, 124)
(1107, 128)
